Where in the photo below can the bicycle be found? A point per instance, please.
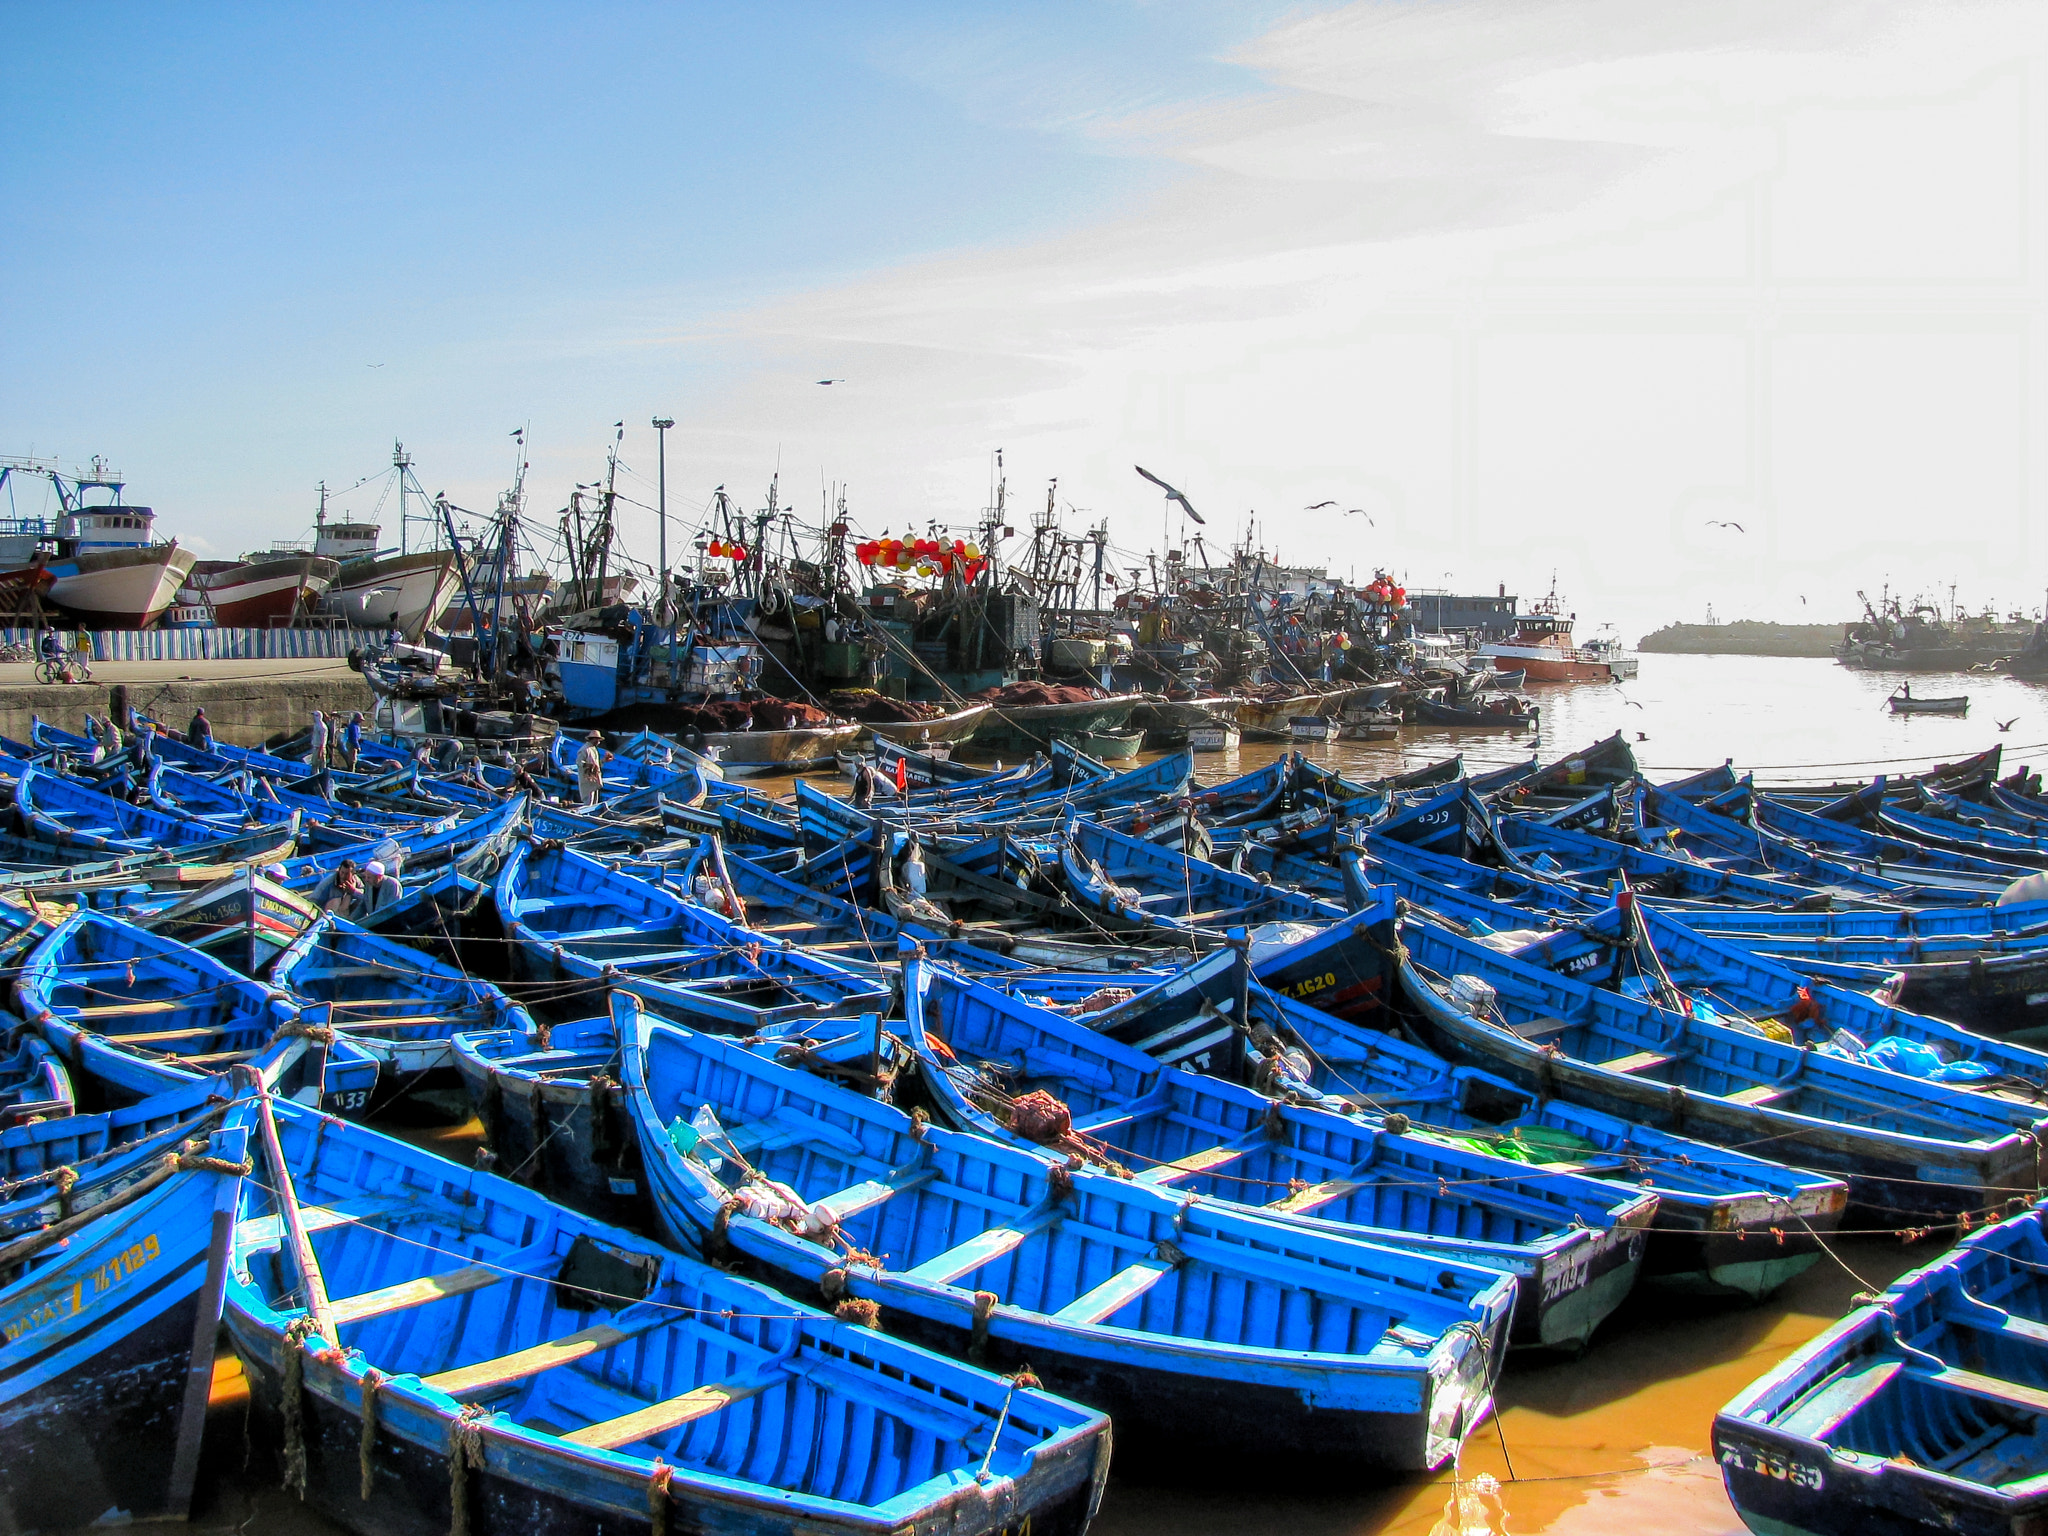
(17, 652)
(61, 668)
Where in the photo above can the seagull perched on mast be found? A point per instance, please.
(1171, 493)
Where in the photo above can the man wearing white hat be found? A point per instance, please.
(590, 769)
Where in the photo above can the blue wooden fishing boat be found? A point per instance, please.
(174, 1014)
(1650, 953)
(244, 919)
(392, 1000)
(505, 1365)
(1727, 1221)
(1015, 1072)
(826, 924)
(50, 1170)
(65, 814)
(1142, 884)
(552, 1113)
(1912, 1151)
(418, 850)
(33, 1082)
(108, 1321)
(580, 929)
(1211, 1336)
(1922, 1410)
(1699, 829)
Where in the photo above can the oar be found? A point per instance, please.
(295, 1226)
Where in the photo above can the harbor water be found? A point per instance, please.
(1617, 1439)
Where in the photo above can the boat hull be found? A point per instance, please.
(1541, 664)
(265, 592)
(97, 1372)
(1011, 728)
(414, 588)
(914, 734)
(119, 588)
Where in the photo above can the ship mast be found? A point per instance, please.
(402, 462)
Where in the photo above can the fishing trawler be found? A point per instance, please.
(273, 587)
(383, 589)
(1544, 650)
(97, 563)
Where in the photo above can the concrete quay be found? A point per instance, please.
(247, 701)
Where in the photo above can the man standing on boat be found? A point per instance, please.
(590, 768)
(200, 732)
(351, 741)
(316, 743)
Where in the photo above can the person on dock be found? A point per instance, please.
(590, 769)
(380, 889)
(200, 732)
(316, 742)
(352, 741)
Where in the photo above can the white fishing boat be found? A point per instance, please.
(98, 563)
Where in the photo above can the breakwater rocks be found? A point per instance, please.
(1745, 637)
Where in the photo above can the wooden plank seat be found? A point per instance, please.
(1762, 1093)
(1315, 1195)
(1118, 1291)
(424, 1289)
(146, 1037)
(856, 1198)
(1202, 1161)
(261, 1231)
(983, 1248)
(1640, 1061)
(1538, 1030)
(686, 1408)
(121, 1010)
(520, 1364)
(2012, 1393)
(414, 1293)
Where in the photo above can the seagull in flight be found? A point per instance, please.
(1736, 526)
(1171, 493)
(373, 365)
(2006, 725)
(1317, 507)
(831, 381)
(1360, 512)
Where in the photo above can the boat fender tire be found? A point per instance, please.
(1976, 973)
(355, 658)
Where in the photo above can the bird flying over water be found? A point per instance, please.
(1171, 493)
(1318, 506)
(1361, 512)
(831, 381)
(1736, 526)
(2006, 725)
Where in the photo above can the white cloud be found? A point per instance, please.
(1540, 284)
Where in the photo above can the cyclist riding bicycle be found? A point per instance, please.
(69, 666)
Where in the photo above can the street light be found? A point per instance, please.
(661, 426)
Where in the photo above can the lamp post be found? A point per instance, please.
(661, 426)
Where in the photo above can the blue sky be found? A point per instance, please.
(1544, 285)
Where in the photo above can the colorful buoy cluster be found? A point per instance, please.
(926, 557)
(720, 549)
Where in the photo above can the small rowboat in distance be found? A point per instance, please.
(1906, 704)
